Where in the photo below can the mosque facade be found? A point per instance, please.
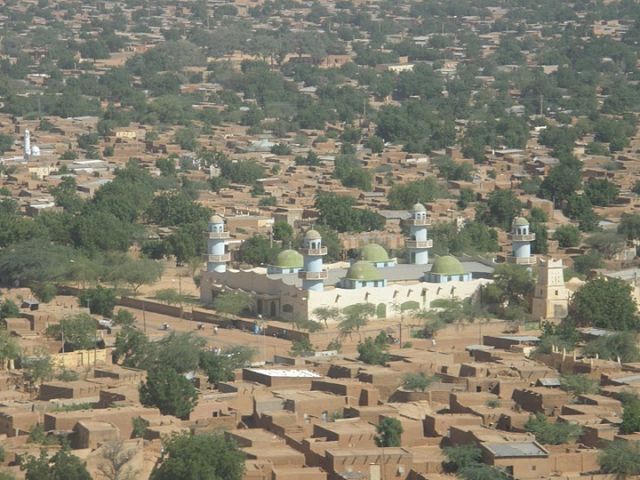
(299, 282)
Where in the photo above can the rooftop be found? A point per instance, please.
(516, 449)
(290, 373)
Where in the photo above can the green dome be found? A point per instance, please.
(447, 265)
(289, 259)
(374, 253)
(418, 207)
(312, 235)
(520, 222)
(362, 270)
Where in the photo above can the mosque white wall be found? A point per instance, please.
(393, 295)
(289, 300)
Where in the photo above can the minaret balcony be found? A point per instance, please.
(529, 237)
(226, 257)
(419, 222)
(419, 243)
(314, 252)
(217, 235)
(323, 275)
(531, 260)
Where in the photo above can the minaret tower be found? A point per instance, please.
(418, 244)
(27, 144)
(550, 298)
(521, 238)
(313, 274)
(217, 257)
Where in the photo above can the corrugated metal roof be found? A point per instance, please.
(516, 449)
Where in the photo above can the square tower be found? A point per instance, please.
(551, 298)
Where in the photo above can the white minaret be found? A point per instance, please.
(521, 238)
(418, 243)
(217, 256)
(314, 274)
(27, 144)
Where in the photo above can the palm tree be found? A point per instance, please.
(324, 314)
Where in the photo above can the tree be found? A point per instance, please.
(606, 243)
(630, 226)
(601, 192)
(283, 232)
(44, 291)
(220, 367)
(514, 282)
(77, 331)
(132, 347)
(124, 318)
(338, 213)
(567, 236)
(552, 433)
(621, 458)
(579, 384)
(257, 250)
(9, 348)
(116, 461)
(300, 347)
(178, 351)
(324, 314)
(212, 456)
(621, 346)
(232, 303)
(170, 296)
(404, 196)
(373, 351)
(462, 457)
(579, 208)
(417, 381)
(170, 391)
(62, 466)
(483, 472)
(584, 264)
(100, 300)
(630, 416)
(139, 272)
(389, 432)
(561, 182)
(604, 303)
(38, 367)
(501, 208)
(8, 309)
(355, 317)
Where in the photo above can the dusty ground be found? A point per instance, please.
(453, 337)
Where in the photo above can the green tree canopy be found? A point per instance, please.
(212, 456)
(62, 466)
(567, 236)
(621, 458)
(338, 212)
(389, 432)
(552, 433)
(604, 303)
(170, 391)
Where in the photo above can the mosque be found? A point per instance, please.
(299, 282)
